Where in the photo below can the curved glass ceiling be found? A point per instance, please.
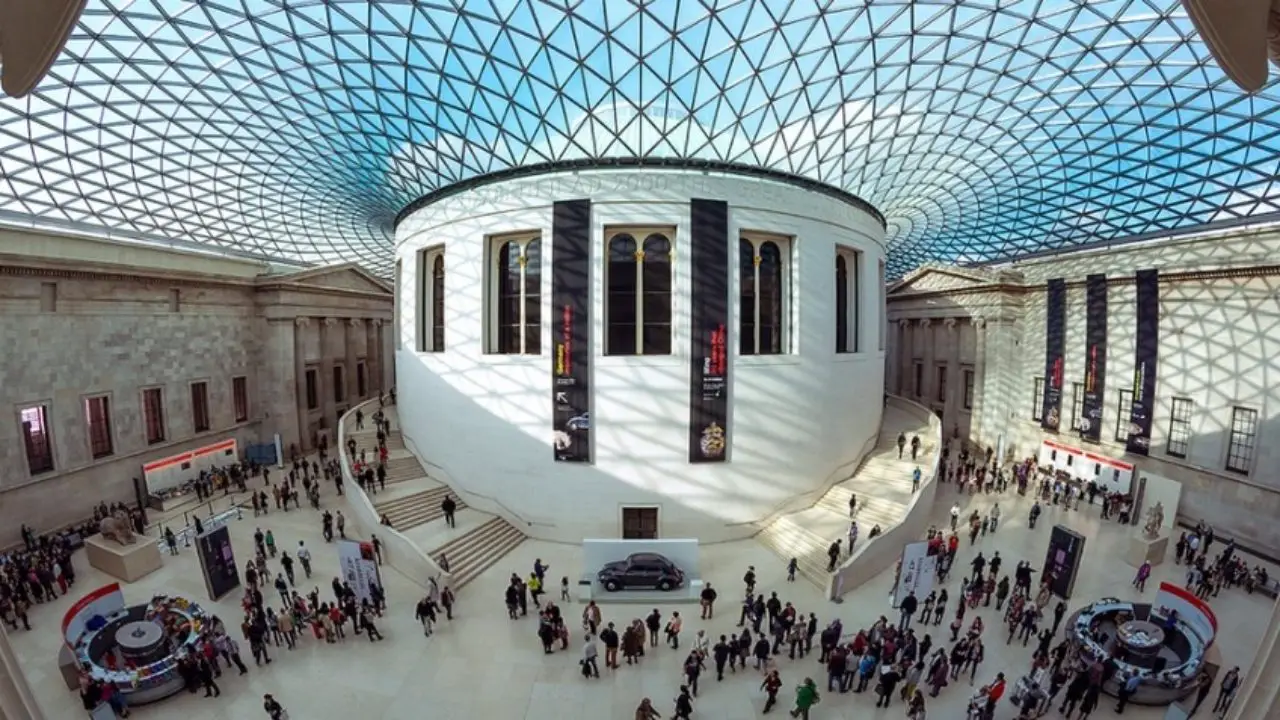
(298, 129)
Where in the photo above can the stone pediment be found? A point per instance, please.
(340, 277)
(935, 279)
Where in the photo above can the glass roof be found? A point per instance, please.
(297, 130)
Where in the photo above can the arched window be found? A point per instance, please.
(515, 295)
(429, 308)
(848, 310)
(437, 303)
(764, 295)
(842, 304)
(638, 293)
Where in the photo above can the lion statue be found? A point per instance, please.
(116, 527)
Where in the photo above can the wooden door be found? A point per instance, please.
(640, 523)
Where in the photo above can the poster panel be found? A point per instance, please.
(1146, 351)
(916, 573)
(1191, 610)
(102, 602)
(218, 562)
(1055, 341)
(1095, 360)
(1062, 561)
(709, 304)
(570, 330)
(359, 566)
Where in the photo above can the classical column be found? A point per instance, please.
(951, 408)
(16, 700)
(300, 326)
(905, 354)
(1260, 693)
(386, 359)
(329, 416)
(977, 424)
(372, 357)
(927, 351)
(352, 359)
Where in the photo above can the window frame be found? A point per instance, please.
(339, 383)
(46, 457)
(640, 235)
(362, 379)
(918, 376)
(155, 429)
(752, 347)
(1124, 411)
(940, 382)
(201, 417)
(1181, 413)
(528, 333)
(311, 386)
(431, 310)
(1234, 442)
(1037, 399)
(854, 260)
(101, 441)
(240, 397)
(969, 378)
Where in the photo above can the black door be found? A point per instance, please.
(639, 523)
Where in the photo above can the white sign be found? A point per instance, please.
(359, 567)
(917, 572)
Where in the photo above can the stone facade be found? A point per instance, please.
(1217, 328)
(89, 319)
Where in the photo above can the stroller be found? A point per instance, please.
(978, 705)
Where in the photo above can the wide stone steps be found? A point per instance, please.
(788, 540)
(368, 440)
(415, 509)
(478, 550)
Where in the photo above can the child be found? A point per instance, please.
(564, 589)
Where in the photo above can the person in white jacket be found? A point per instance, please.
(589, 653)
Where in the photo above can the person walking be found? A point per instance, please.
(806, 698)
(449, 507)
(1227, 690)
(275, 711)
(645, 711)
(1140, 578)
(833, 555)
(304, 558)
(772, 683)
(1206, 686)
(902, 443)
(590, 651)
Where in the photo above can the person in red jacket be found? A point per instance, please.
(994, 694)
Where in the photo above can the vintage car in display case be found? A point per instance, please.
(641, 570)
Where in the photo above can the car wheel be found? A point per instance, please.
(664, 585)
(611, 585)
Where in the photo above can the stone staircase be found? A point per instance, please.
(416, 508)
(478, 549)
(411, 501)
(883, 484)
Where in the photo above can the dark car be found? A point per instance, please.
(641, 570)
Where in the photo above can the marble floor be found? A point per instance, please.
(483, 665)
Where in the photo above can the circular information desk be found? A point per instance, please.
(1141, 638)
(137, 648)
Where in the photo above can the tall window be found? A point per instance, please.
(240, 397)
(313, 394)
(968, 389)
(1037, 400)
(638, 294)
(35, 438)
(200, 406)
(1125, 407)
(1077, 397)
(1244, 436)
(848, 301)
(153, 414)
(919, 378)
(430, 305)
(763, 264)
(942, 383)
(515, 296)
(339, 383)
(1179, 427)
(362, 382)
(97, 416)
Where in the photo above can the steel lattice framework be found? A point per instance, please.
(298, 129)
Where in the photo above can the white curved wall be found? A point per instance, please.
(798, 422)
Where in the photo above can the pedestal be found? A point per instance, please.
(1143, 549)
(124, 562)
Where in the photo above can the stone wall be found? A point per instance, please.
(1218, 322)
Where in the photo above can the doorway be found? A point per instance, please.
(639, 523)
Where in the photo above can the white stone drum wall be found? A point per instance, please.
(797, 422)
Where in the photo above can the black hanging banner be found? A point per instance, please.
(570, 330)
(709, 303)
(1146, 352)
(1055, 336)
(1095, 359)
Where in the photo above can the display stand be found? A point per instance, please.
(1144, 549)
(124, 562)
(690, 592)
